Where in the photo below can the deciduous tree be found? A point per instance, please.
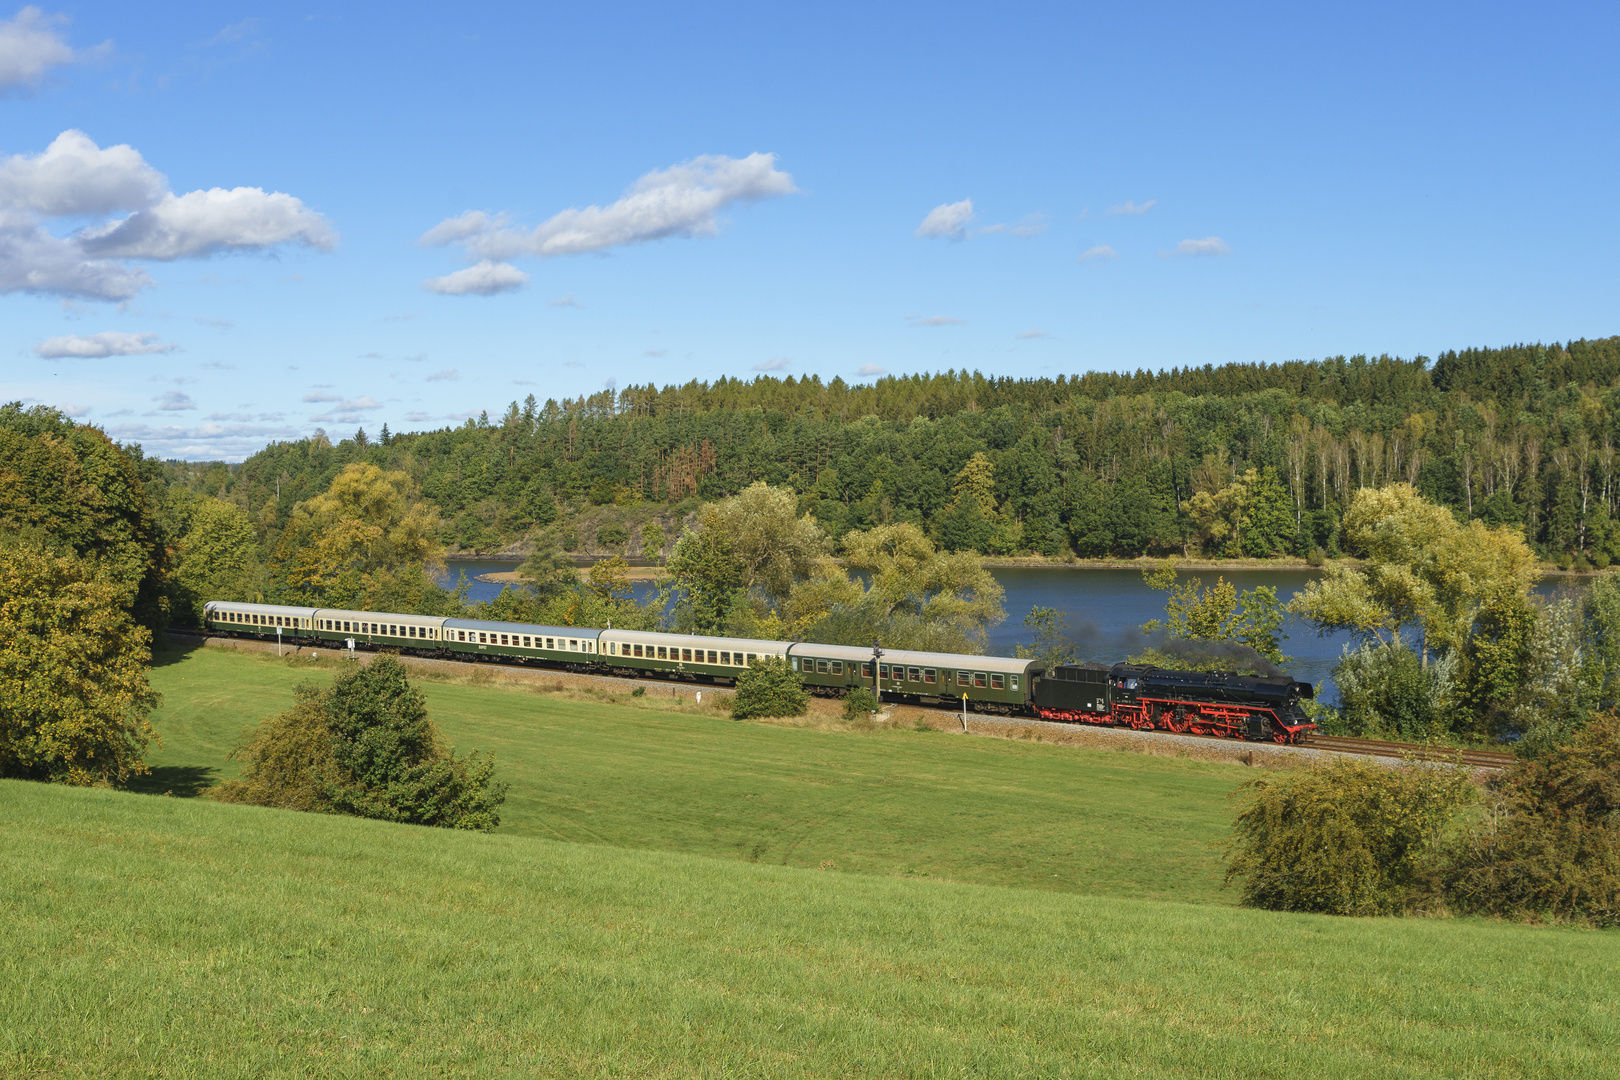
(74, 695)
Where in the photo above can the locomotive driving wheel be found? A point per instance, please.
(1176, 720)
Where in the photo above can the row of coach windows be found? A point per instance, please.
(718, 657)
(522, 641)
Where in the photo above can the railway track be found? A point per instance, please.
(1485, 759)
(1481, 759)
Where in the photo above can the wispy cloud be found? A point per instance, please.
(483, 279)
(1209, 245)
(682, 200)
(218, 324)
(106, 343)
(416, 417)
(235, 32)
(1030, 335)
(447, 375)
(947, 221)
(565, 301)
(1033, 225)
(1100, 253)
(174, 401)
(1127, 208)
(573, 363)
(933, 320)
(775, 363)
(871, 369)
(656, 352)
(314, 398)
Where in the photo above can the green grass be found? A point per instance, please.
(925, 804)
(144, 936)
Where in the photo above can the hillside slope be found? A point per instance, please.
(145, 936)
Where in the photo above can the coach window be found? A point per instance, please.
(978, 679)
(837, 667)
(821, 667)
(963, 679)
(1013, 684)
(913, 674)
(573, 645)
(750, 659)
(997, 681)
(714, 657)
(883, 671)
(928, 674)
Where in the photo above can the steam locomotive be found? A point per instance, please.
(1257, 708)
(1146, 698)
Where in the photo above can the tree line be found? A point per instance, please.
(1239, 460)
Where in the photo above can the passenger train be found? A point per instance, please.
(1145, 698)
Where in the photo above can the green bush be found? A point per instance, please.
(1564, 560)
(612, 536)
(858, 702)
(1317, 557)
(1346, 838)
(769, 688)
(1549, 847)
(1601, 560)
(1581, 565)
(365, 746)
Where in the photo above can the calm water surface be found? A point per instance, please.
(1104, 609)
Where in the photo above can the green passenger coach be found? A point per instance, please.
(991, 680)
(566, 645)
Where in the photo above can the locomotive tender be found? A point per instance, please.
(1145, 698)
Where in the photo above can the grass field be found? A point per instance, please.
(146, 936)
(653, 776)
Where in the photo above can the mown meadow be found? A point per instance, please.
(660, 774)
(675, 894)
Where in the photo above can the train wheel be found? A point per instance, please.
(1180, 727)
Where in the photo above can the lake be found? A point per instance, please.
(1104, 609)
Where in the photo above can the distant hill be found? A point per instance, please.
(1096, 464)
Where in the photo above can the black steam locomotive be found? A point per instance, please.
(1220, 703)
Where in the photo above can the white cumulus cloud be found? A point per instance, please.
(74, 178)
(871, 369)
(682, 200)
(1101, 251)
(205, 222)
(775, 363)
(106, 343)
(29, 47)
(174, 401)
(947, 220)
(483, 279)
(1209, 245)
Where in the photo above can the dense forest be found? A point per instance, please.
(1242, 459)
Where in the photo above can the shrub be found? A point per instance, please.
(1601, 560)
(1581, 565)
(1549, 844)
(1384, 689)
(858, 702)
(365, 746)
(1346, 838)
(1564, 560)
(1317, 557)
(612, 536)
(769, 688)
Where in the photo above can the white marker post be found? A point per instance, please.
(964, 711)
(278, 641)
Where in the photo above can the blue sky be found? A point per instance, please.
(221, 227)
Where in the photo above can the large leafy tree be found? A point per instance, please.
(73, 489)
(368, 541)
(73, 689)
(215, 558)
